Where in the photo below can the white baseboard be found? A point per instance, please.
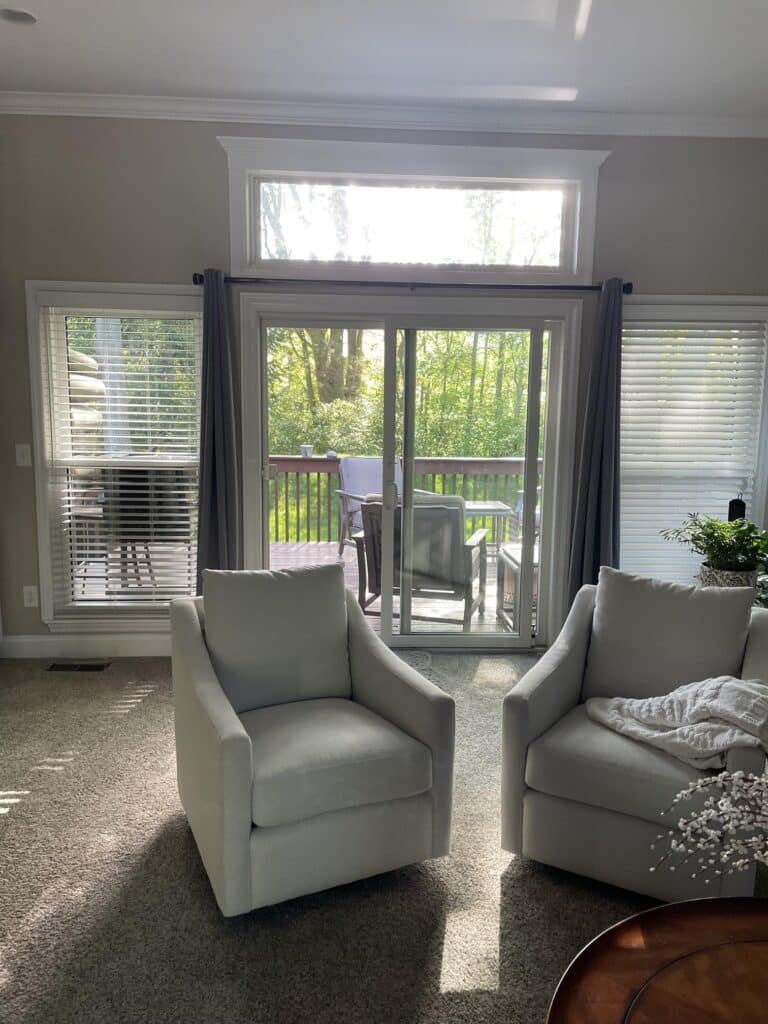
(86, 645)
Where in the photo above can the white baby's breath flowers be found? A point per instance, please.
(726, 832)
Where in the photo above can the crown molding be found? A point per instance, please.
(435, 117)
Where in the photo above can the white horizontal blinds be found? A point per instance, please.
(124, 419)
(691, 401)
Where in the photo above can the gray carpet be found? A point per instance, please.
(106, 914)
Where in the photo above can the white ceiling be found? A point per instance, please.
(684, 58)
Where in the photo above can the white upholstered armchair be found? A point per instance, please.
(308, 754)
(579, 796)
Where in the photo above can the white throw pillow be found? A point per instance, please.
(649, 636)
(277, 636)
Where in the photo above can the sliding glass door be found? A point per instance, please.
(324, 388)
(468, 429)
(419, 449)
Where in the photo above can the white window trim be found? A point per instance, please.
(259, 307)
(251, 159)
(41, 294)
(716, 307)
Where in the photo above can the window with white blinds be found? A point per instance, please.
(122, 425)
(691, 411)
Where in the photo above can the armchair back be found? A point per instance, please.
(649, 636)
(437, 556)
(364, 474)
(277, 636)
(755, 664)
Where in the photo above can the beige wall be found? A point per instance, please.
(119, 200)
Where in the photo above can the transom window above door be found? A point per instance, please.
(316, 209)
(413, 224)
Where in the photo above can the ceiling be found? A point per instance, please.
(561, 58)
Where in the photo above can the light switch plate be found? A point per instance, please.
(31, 599)
(24, 455)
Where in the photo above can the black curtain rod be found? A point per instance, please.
(413, 285)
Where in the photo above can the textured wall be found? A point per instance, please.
(89, 199)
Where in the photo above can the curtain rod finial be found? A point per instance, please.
(198, 279)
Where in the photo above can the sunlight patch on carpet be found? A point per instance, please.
(135, 695)
(471, 950)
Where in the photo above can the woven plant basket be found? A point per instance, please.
(709, 577)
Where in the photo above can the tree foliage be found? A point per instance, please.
(150, 370)
(326, 388)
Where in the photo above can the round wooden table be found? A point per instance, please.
(696, 962)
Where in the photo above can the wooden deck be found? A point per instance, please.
(98, 581)
(290, 554)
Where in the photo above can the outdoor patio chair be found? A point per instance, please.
(142, 507)
(360, 476)
(444, 564)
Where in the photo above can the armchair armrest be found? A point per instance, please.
(214, 763)
(754, 666)
(544, 694)
(476, 541)
(746, 759)
(349, 494)
(394, 690)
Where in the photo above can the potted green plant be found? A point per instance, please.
(734, 553)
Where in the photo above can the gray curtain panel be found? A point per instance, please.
(595, 530)
(219, 540)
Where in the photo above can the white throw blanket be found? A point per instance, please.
(697, 723)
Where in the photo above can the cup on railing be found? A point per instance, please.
(306, 450)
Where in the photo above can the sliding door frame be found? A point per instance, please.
(394, 310)
(409, 327)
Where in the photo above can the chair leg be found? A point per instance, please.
(148, 560)
(468, 607)
(135, 561)
(342, 526)
(362, 576)
(123, 566)
(483, 576)
(76, 540)
(191, 567)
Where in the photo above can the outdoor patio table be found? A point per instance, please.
(498, 512)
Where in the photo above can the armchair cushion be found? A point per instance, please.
(579, 759)
(648, 636)
(314, 756)
(276, 636)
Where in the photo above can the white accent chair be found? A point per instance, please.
(308, 753)
(579, 796)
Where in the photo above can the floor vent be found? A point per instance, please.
(78, 666)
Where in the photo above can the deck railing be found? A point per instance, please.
(303, 504)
